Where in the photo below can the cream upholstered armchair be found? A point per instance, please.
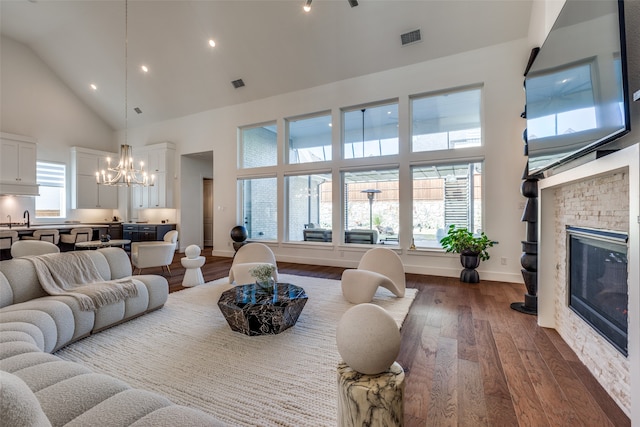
(155, 254)
(249, 256)
(378, 267)
(33, 247)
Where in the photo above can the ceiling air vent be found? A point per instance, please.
(237, 83)
(410, 37)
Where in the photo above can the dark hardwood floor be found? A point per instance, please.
(470, 360)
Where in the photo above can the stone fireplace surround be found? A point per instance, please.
(604, 194)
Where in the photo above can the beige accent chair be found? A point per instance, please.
(378, 267)
(51, 236)
(82, 234)
(249, 256)
(23, 248)
(155, 254)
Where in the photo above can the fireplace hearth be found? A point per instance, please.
(598, 287)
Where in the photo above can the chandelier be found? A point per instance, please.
(124, 173)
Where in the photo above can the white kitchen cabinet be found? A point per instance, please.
(159, 161)
(18, 156)
(86, 193)
(18, 161)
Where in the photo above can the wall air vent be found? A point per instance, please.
(411, 37)
(237, 83)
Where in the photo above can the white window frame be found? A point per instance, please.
(51, 175)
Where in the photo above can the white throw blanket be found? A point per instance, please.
(76, 275)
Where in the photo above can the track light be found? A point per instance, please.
(307, 6)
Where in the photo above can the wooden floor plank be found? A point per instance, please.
(608, 405)
(472, 407)
(466, 335)
(557, 408)
(578, 396)
(500, 411)
(443, 406)
(526, 403)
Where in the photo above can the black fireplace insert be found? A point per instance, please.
(598, 287)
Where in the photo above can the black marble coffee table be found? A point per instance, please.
(253, 310)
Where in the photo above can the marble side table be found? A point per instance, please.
(192, 263)
(370, 400)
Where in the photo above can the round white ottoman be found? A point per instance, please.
(192, 263)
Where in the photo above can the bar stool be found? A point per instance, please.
(7, 238)
(81, 234)
(48, 235)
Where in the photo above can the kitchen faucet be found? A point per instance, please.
(9, 216)
(28, 216)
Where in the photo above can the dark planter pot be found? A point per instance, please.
(470, 261)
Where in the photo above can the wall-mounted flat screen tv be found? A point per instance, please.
(576, 88)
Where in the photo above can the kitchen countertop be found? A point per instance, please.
(66, 226)
(149, 223)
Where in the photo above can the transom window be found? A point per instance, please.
(309, 139)
(446, 120)
(258, 146)
(371, 131)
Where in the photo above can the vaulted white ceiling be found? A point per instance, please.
(273, 46)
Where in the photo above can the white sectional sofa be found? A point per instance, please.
(38, 388)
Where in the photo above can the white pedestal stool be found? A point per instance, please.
(192, 263)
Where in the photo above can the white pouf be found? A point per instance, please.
(192, 263)
(368, 339)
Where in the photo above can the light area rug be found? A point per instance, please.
(187, 352)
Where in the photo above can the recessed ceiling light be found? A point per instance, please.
(212, 43)
(330, 125)
(144, 69)
(93, 86)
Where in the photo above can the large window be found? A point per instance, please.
(371, 206)
(51, 203)
(446, 120)
(304, 183)
(309, 207)
(258, 146)
(309, 139)
(371, 131)
(444, 195)
(260, 208)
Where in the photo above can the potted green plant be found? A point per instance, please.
(472, 249)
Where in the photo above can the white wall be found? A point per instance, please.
(34, 102)
(499, 68)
